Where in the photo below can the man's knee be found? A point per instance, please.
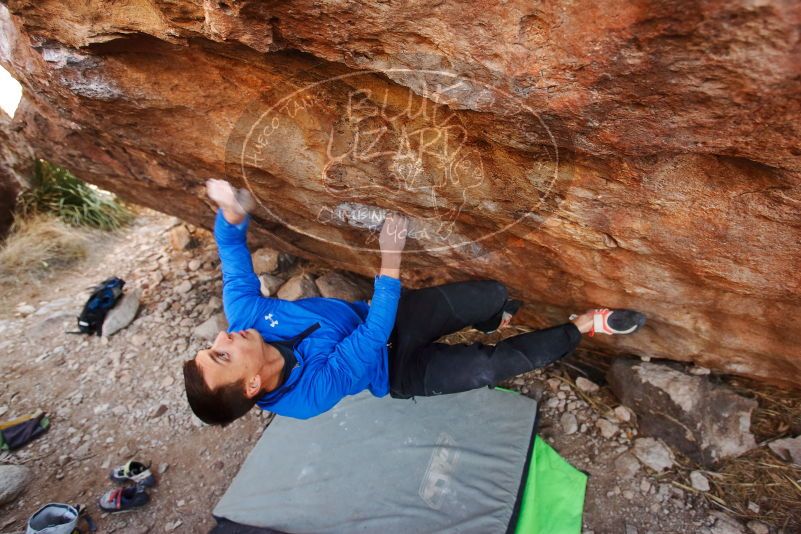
(496, 292)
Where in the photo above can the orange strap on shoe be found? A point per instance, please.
(599, 317)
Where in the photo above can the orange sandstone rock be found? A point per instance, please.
(633, 154)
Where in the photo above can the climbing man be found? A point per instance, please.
(300, 358)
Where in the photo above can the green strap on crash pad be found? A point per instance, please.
(553, 498)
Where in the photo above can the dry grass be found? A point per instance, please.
(38, 244)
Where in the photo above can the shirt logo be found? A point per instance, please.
(273, 322)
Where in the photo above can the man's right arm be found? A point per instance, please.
(241, 287)
(359, 353)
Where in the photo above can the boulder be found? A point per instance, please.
(644, 156)
(212, 326)
(336, 285)
(298, 287)
(122, 314)
(705, 421)
(13, 481)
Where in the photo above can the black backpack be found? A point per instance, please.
(102, 299)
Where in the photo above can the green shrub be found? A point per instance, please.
(56, 191)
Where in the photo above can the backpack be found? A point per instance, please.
(102, 299)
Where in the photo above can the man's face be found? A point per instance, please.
(232, 357)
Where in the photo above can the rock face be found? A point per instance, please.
(640, 154)
(16, 162)
(707, 422)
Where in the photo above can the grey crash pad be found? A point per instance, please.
(452, 463)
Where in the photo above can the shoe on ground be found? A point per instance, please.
(135, 472)
(124, 499)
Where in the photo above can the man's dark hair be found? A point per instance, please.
(219, 406)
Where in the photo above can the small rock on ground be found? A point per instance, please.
(607, 428)
(212, 326)
(569, 423)
(653, 453)
(180, 238)
(699, 481)
(623, 414)
(789, 449)
(758, 527)
(269, 284)
(724, 524)
(265, 260)
(626, 465)
(587, 386)
(13, 481)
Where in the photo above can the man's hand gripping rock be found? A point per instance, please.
(235, 203)
(392, 242)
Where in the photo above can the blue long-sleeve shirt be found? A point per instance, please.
(346, 355)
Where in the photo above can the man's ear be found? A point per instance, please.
(253, 386)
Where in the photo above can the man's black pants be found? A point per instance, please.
(418, 366)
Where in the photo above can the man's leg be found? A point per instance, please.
(439, 368)
(425, 315)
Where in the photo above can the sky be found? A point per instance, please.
(10, 92)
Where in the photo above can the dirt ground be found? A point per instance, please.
(121, 398)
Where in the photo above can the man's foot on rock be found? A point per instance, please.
(610, 322)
